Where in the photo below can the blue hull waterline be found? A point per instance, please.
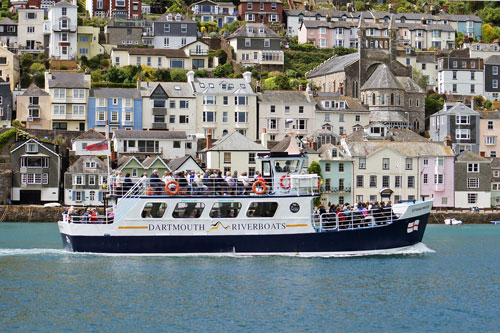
(389, 236)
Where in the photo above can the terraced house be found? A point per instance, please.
(211, 11)
(83, 182)
(173, 31)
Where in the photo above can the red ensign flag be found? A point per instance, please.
(98, 146)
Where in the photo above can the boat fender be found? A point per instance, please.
(150, 191)
(259, 183)
(172, 192)
(319, 183)
(286, 187)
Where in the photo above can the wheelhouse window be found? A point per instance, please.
(225, 210)
(185, 210)
(154, 210)
(262, 209)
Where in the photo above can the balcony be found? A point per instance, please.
(194, 52)
(271, 57)
(241, 125)
(159, 126)
(439, 187)
(64, 28)
(330, 189)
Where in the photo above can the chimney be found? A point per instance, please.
(139, 82)
(308, 89)
(248, 77)
(300, 87)
(315, 144)
(209, 138)
(447, 141)
(263, 137)
(190, 77)
(308, 142)
(473, 103)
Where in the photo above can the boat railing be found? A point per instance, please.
(348, 220)
(100, 219)
(139, 187)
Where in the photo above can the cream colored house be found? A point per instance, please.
(9, 67)
(193, 56)
(233, 152)
(225, 105)
(34, 108)
(426, 36)
(69, 92)
(88, 42)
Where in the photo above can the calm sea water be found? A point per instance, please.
(456, 288)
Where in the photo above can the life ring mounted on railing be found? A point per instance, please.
(175, 191)
(150, 191)
(259, 183)
(286, 187)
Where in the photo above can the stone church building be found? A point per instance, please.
(375, 77)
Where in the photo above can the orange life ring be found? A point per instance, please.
(177, 187)
(259, 183)
(150, 191)
(289, 181)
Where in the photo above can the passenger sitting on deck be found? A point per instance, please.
(287, 167)
(86, 215)
(278, 167)
(93, 216)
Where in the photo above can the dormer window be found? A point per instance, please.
(178, 17)
(326, 104)
(170, 17)
(250, 30)
(32, 148)
(243, 86)
(230, 86)
(90, 165)
(211, 85)
(224, 86)
(261, 30)
(202, 85)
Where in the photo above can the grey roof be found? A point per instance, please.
(288, 96)
(382, 78)
(409, 85)
(64, 4)
(489, 114)
(115, 92)
(468, 156)
(7, 21)
(169, 53)
(333, 65)
(492, 60)
(214, 86)
(427, 57)
(353, 104)
(457, 109)
(163, 18)
(387, 116)
(79, 166)
(148, 161)
(236, 142)
(261, 1)
(172, 89)
(177, 162)
(68, 80)
(258, 30)
(34, 90)
(331, 24)
(283, 145)
(91, 134)
(159, 135)
(426, 27)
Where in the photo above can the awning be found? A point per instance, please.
(385, 192)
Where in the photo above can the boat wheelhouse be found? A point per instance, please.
(271, 214)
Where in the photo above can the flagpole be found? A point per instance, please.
(108, 152)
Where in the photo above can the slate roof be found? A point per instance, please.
(163, 18)
(34, 90)
(172, 89)
(7, 21)
(387, 116)
(176, 163)
(426, 27)
(64, 4)
(468, 156)
(169, 53)
(91, 134)
(284, 144)
(489, 114)
(256, 28)
(426, 57)
(409, 85)
(240, 86)
(382, 78)
(154, 135)
(495, 163)
(236, 142)
(353, 104)
(115, 92)
(331, 24)
(79, 166)
(333, 65)
(492, 60)
(457, 109)
(288, 96)
(68, 80)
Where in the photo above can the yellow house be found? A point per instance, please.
(88, 42)
(34, 108)
(9, 67)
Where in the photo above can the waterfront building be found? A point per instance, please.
(489, 131)
(61, 26)
(137, 166)
(173, 31)
(84, 180)
(166, 144)
(30, 37)
(6, 104)
(69, 92)
(337, 172)
(437, 175)
(284, 111)
(233, 152)
(492, 77)
(35, 172)
(495, 182)
(120, 108)
(34, 108)
(472, 181)
(185, 163)
(458, 123)
(261, 11)
(211, 11)
(461, 76)
(87, 138)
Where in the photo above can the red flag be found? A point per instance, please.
(98, 146)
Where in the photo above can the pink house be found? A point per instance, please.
(437, 178)
(328, 34)
(489, 132)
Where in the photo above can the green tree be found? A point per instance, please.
(222, 55)
(488, 105)
(163, 75)
(223, 70)
(359, 5)
(229, 28)
(459, 40)
(178, 75)
(26, 60)
(340, 50)
(420, 79)
(489, 33)
(490, 15)
(433, 103)
(277, 81)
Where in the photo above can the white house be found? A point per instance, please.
(167, 144)
(30, 30)
(62, 26)
(90, 137)
(83, 182)
(461, 76)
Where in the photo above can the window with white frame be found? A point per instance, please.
(78, 180)
(248, 42)
(472, 198)
(59, 110)
(59, 93)
(241, 100)
(90, 165)
(91, 179)
(209, 117)
(462, 134)
(101, 116)
(409, 164)
(208, 100)
(439, 161)
(472, 167)
(114, 116)
(267, 43)
(240, 117)
(438, 178)
(79, 93)
(494, 84)
(128, 116)
(472, 182)
(494, 70)
(490, 140)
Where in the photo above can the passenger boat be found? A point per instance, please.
(274, 216)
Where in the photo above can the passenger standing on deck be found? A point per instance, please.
(119, 183)
(156, 182)
(127, 183)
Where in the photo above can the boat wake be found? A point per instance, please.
(31, 252)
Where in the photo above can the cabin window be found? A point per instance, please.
(154, 210)
(287, 166)
(262, 209)
(225, 210)
(188, 210)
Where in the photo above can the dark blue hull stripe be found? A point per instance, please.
(379, 238)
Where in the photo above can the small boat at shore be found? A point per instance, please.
(453, 221)
(272, 216)
(495, 222)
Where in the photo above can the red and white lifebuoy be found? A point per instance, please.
(172, 192)
(286, 187)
